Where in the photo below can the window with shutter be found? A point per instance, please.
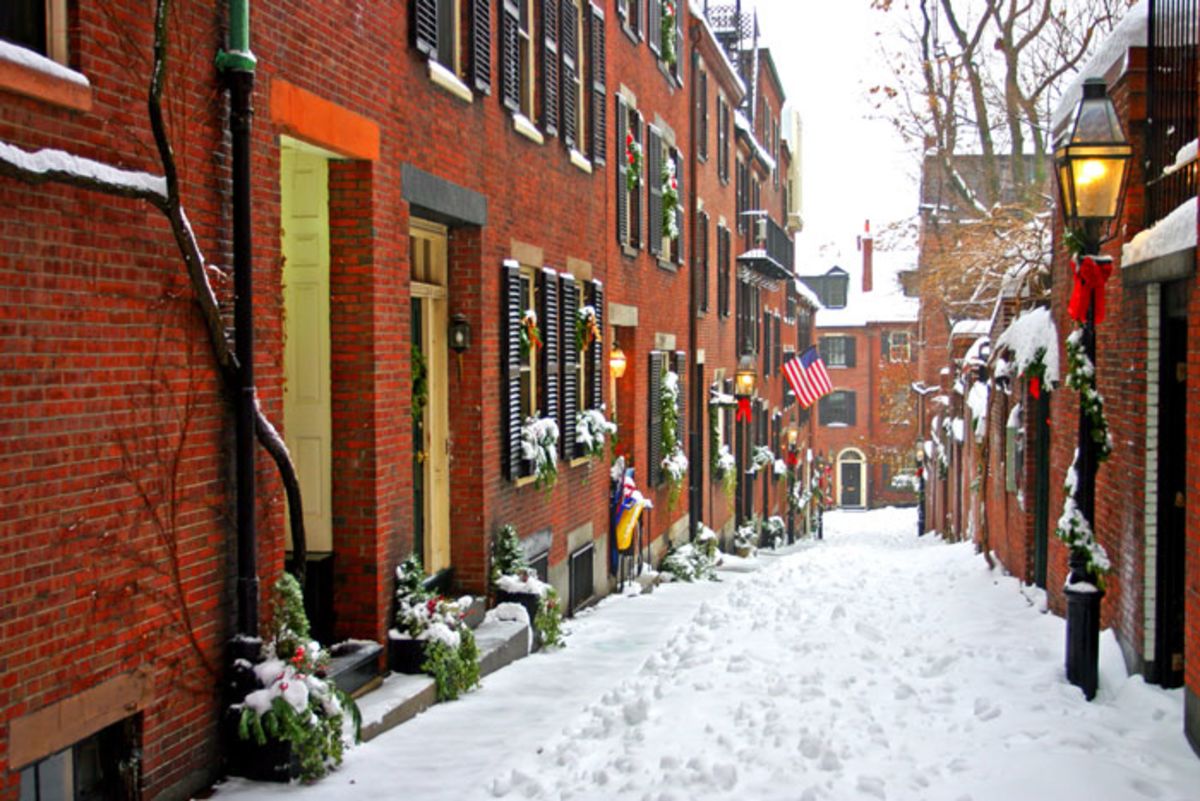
(654, 162)
(677, 243)
(568, 289)
(481, 45)
(654, 20)
(573, 123)
(512, 44)
(597, 356)
(599, 92)
(700, 259)
(654, 430)
(850, 358)
(550, 323)
(515, 368)
(778, 344)
(636, 217)
(740, 195)
(700, 86)
(722, 139)
(680, 367)
(766, 349)
(425, 27)
(622, 171)
(550, 56)
(724, 270)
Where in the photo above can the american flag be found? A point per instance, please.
(808, 377)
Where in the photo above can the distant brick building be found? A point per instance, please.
(867, 427)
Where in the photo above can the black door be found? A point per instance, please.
(851, 484)
(1172, 471)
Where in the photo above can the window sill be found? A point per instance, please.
(573, 463)
(668, 265)
(524, 481)
(444, 78)
(580, 161)
(629, 252)
(630, 32)
(525, 127)
(27, 73)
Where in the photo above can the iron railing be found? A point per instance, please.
(1170, 105)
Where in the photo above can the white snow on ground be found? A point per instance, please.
(871, 665)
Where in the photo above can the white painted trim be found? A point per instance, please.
(524, 126)
(580, 161)
(450, 82)
(1150, 513)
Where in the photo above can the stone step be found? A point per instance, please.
(354, 664)
(401, 697)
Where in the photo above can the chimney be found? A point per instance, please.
(866, 243)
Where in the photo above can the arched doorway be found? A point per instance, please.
(852, 471)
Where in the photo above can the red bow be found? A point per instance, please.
(1035, 384)
(791, 459)
(1090, 276)
(743, 410)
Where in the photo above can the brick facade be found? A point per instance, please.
(107, 380)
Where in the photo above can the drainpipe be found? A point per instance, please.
(696, 380)
(237, 64)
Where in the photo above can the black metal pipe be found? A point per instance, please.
(241, 115)
(696, 379)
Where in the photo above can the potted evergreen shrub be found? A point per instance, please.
(515, 582)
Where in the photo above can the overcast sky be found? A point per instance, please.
(854, 168)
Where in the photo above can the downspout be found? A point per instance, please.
(237, 64)
(696, 380)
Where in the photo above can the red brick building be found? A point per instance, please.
(454, 168)
(867, 427)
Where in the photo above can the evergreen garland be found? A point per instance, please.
(1081, 377)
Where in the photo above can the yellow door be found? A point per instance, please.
(431, 428)
(304, 215)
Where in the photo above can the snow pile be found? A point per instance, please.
(977, 402)
(1033, 338)
(1176, 231)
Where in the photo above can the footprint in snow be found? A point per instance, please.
(868, 632)
(985, 710)
(829, 761)
(872, 786)
(838, 613)
(1146, 789)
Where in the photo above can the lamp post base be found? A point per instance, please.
(1083, 631)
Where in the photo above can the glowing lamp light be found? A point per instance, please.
(745, 379)
(1091, 163)
(616, 361)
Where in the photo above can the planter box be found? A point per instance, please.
(273, 761)
(527, 600)
(406, 655)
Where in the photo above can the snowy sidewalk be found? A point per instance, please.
(873, 665)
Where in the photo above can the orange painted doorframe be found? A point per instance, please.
(318, 121)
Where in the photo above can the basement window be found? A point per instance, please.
(105, 765)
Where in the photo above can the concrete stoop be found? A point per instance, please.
(401, 697)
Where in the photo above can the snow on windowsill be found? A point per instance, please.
(580, 161)
(524, 126)
(450, 82)
(36, 62)
(50, 161)
(1173, 233)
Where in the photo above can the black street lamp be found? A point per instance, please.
(792, 435)
(745, 380)
(1091, 164)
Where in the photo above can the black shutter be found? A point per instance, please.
(823, 347)
(481, 45)
(511, 321)
(778, 356)
(654, 187)
(654, 451)
(850, 359)
(425, 26)
(766, 346)
(549, 321)
(680, 360)
(510, 55)
(550, 66)
(677, 159)
(851, 410)
(622, 173)
(740, 196)
(700, 259)
(823, 409)
(654, 36)
(599, 92)
(569, 296)
(597, 361)
(570, 72)
(703, 122)
(885, 346)
(677, 70)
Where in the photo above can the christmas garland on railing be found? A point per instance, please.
(1074, 530)
(670, 199)
(633, 155)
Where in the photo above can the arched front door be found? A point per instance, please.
(851, 479)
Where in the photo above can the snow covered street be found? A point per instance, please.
(872, 665)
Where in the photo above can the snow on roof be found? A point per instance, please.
(741, 122)
(807, 294)
(974, 355)
(1176, 231)
(1033, 335)
(886, 303)
(1130, 32)
(39, 63)
(970, 328)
